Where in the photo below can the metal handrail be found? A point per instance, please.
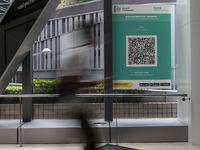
(135, 95)
(29, 95)
(94, 95)
(130, 95)
(97, 95)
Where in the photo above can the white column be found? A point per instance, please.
(188, 47)
(183, 56)
(195, 71)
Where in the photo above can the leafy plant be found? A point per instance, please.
(13, 90)
(65, 3)
(52, 87)
(82, 1)
(39, 87)
(45, 86)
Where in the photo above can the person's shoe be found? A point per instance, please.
(90, 148)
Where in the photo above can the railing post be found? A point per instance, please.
(20, 121)
(27, 80)
(108, 59)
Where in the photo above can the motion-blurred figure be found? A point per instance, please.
(74, 63)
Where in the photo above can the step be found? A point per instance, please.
(120, 131)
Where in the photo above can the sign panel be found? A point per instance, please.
(141, 46)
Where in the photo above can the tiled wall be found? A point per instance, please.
(95, 110)
(9, 111)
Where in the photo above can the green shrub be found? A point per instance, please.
(13, 90)
(45, 86)
(82, 1)
(52, 87)
(39, 87)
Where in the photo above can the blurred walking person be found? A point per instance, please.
(75, 63)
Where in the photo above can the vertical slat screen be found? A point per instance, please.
(50, 38)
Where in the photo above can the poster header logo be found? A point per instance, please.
(141, 9)
(117, 9)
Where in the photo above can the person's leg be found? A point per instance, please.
(90, 145)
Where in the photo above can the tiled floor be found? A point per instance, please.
(141, 146)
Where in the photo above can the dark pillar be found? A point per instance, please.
(108, 58)
(27, 81)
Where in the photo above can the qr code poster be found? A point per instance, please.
(141, 51)
(142, 46)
